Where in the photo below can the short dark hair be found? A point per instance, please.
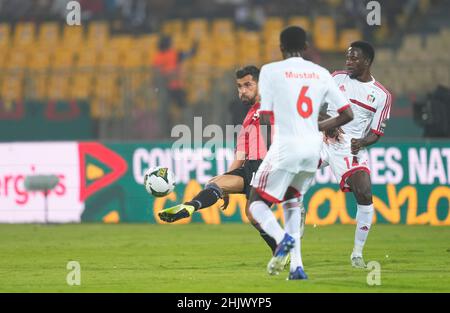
(248, 70)
(293, 39)
(366, 48)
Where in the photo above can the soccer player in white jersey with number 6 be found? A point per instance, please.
(345, 150)
(293, 90)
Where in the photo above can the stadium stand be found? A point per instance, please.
(44, 59)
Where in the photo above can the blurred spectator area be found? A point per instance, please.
(107, 60)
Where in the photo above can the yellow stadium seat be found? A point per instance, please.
(24, 35)
(12, 88)
(147, 42)
(197, 28)
(106, 85)
(249, 48)
(98, 35)
(271, 49)
(81, 85)
(348, 36)
(412, 42)
(222, 26)
(63, 59)
(384, 56)
(442, 75)
(5, 34)
(39, 60)
(122, 43)
(73, 38)
(325, 33)
(173, 27)
(58, 86)
(49, 35)
(301, 21)
(87, 58)
(106, 90)
(108, 59)
(148, 45)
(272, 26)
(98, 31)
(16, 59)
(181, 43)
(38, 66)
(133, 58)
(445, 33)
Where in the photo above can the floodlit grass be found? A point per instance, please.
(215, 258)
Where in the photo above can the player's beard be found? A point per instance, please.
(247, 101)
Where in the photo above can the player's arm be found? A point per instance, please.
(239, 158)
(377, 127)
(345, 115)
(335, 97)
(240, 152)
(333, 133)
(358, 144)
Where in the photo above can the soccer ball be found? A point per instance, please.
(159, 181)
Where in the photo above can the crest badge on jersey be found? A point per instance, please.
(371, 98)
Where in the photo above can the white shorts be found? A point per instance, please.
(272, 184)
(343, 163)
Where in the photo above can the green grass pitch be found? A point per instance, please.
(215, 258)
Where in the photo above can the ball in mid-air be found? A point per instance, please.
(159, 181)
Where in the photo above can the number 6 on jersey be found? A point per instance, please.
(304, 103)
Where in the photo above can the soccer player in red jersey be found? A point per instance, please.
(250, 150)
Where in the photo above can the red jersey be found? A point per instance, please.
(250, 139)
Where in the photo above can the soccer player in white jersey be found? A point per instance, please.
(293, 90)
(345, 151)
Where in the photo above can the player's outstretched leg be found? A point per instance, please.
(362, 190)
(205, 198)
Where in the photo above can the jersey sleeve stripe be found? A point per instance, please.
(385, 112)
(345, 107)
(387, 104)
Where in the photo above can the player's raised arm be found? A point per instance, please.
(336, 98)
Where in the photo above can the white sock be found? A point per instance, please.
(363, 222)
(302, 210)
(264, 217)
(291, 209)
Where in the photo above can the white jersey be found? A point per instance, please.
(294, 90)
(371, 105)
